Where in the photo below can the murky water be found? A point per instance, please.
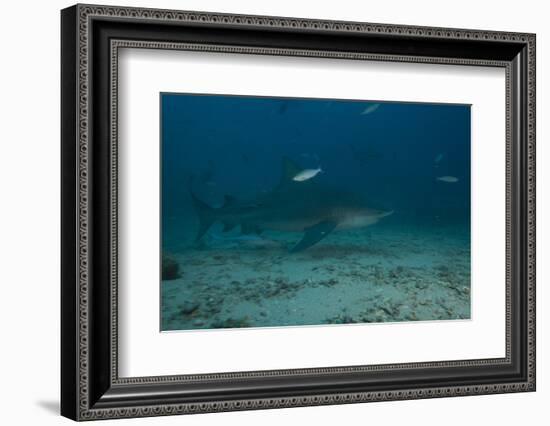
(286, 212)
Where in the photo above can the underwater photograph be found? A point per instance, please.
(283, 212)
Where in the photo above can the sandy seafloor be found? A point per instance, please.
(377, 274)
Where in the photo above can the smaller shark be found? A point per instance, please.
(307, 207)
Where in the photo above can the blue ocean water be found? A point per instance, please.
(224, 160)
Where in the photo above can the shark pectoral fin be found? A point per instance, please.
(314, 234)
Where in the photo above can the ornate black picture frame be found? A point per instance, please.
(91, 386)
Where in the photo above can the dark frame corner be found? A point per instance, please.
(90, 37)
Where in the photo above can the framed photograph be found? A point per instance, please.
(263, 212)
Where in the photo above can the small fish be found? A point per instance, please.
(370, 109)
(438, 158)
(306, 174)
(448, 179)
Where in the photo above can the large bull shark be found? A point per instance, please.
(293, 206)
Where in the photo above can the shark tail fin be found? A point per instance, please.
(207, 215)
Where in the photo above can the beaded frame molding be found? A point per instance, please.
(91, 39)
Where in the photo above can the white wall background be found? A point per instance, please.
(29, 212)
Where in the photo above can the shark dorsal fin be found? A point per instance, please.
(289, 170)
(228, 200)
